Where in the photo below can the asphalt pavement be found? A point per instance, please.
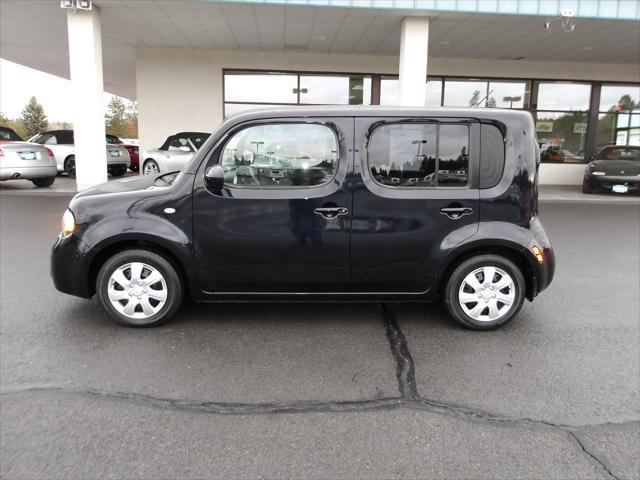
(325, 390)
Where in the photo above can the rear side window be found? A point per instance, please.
(283, 155)
(491, 156)
(420, 155)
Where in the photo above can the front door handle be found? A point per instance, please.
(331, 212)
(456, 212)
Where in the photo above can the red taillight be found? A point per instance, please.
(1, 153)
(50, 152)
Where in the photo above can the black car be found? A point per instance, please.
(615, 168)
(354, 204)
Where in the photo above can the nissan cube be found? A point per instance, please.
(323, 204)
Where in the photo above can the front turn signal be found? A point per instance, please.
(537, 251)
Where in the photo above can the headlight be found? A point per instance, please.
(68, 223)
(598, 174)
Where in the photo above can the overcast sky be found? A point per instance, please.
(18, 84)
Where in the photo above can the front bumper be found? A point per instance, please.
(17, 172)
(608, 181)
(68, 269)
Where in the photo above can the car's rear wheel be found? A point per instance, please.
(118, 170)
(485, 292)
(139, 288)
(134, 168)
(43, 182)
(586, 188)
(150, 167)
(70, 166)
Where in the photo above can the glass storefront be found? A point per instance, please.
(561, 109)
(618, 116)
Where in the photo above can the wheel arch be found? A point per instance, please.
(514, 253)
(138, 244)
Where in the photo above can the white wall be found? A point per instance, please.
(181, 89)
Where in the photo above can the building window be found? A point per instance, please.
(246, 90)
(420, 155)
(486, 93)
(281, 155)
(618, 116)
(561, 120)
(390, 92)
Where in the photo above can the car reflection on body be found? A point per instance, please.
(24, 160)
(174, 153)
(615, 168)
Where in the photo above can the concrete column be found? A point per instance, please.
(414, 47)
(85, 65)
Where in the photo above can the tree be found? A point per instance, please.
(4, 120)
(491, 102)
(34, 119)
(122, 118)
(475, 99)
(116, 117)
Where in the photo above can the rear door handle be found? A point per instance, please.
(456, 212)
(331, 212)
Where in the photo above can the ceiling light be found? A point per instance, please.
(445, 42)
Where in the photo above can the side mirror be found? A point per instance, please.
(214, 176)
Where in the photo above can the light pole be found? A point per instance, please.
(511, 100)
(419, 143)
(257, 143)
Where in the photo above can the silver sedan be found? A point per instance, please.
(174, 153)
(24, 160)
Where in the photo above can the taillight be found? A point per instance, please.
(1, 153)
(50, 152)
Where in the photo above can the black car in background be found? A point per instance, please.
(325, 203)
(615, 168)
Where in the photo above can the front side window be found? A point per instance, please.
(420, 155)
(281, 156)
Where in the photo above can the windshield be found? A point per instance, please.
(8, 135)
(619, 153)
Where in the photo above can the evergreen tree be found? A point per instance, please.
(116, 117)
(34, 119)
(475, 99)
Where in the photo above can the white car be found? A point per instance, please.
(61, 142)
(174, 153)
(21, 160)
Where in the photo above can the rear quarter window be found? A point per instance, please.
(491, 156)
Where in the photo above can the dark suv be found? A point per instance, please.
(354, 204)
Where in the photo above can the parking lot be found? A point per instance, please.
(326, 390)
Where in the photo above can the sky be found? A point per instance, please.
(19, 83)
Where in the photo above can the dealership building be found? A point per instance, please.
(574, 64)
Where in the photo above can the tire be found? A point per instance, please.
(479, 315)
(150, 167)
(43, 182)
(70, 166)
(134, 168)
(118, 171)
(123, 265)
(586, 188)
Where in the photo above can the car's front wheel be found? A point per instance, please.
(150, 167)
(139, 288)
(43, 182)
(485, 292)
(586, 188)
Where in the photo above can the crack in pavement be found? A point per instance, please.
(409, 398)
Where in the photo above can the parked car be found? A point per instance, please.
(174, 153)
(334, 224)
(615, 168)
(134, 152)
(20, 160)
(61, 142)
